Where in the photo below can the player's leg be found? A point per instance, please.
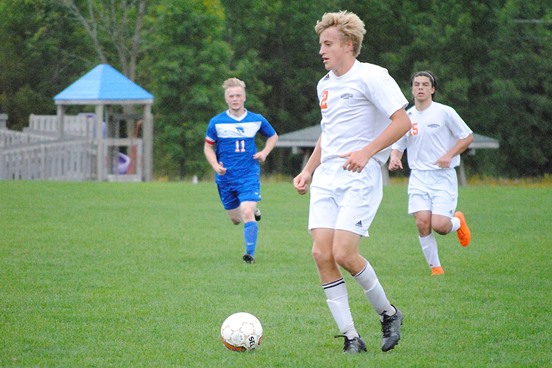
(428, 242)
(346, 255)
(230, 202)
(364, 274)
(235, 215)
(420, 186)
(335, 289)
(358, 208)
(322, 215)
(249, 195)
(445, 200)
(250, 230)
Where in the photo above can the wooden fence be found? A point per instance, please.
(73, 125)
(67, 160)
(37, 153)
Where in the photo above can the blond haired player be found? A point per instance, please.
(231, 150)
(363, 112)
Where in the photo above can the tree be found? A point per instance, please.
(40, 53)
(493, 69)
(521, 88)
(186, 61)
(115, 29)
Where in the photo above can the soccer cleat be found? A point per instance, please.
(435, 271)
(257, 214)
(248, 258)
(355, 345)
(464, 233)
(391, 330)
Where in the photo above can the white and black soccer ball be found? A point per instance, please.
(241, 332)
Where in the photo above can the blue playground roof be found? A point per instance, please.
(105, 85)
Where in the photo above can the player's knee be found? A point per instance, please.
(321, 258)
(344, 259)
(424, 227)
(441, 230)
(441, 227)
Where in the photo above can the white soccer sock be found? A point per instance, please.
(373, 290)
(431, 252)
(338, 302)
(455, 221)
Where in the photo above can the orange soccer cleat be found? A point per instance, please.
(435, 271)
(464, 234)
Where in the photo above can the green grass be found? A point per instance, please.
(142, 275)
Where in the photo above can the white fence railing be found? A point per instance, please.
(37, 153)
(67, 160)
(11, 138)
(75, 125)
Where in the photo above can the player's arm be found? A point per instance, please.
(400, 124)
(269, 146)
(209, 150)
(301, 182)
(460, 146)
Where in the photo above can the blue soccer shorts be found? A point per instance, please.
(233, 194)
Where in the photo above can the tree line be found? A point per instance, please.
(491, 58)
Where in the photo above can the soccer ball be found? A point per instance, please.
(241, 332)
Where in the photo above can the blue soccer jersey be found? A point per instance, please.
(234, 140)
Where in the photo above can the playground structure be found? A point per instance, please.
(104, 145)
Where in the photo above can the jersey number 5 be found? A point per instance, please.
(240, 146)
(414, 129)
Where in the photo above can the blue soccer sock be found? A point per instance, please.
(250, 231)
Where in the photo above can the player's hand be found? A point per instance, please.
(260, 156)
(443, 162)
(221, 170)
(356, 161)
(301, 182)
(394, 164)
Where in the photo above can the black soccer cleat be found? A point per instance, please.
(354, 345)
(257, 214)
(391, 330)
(248, 258)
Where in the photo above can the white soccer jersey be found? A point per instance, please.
(356, 108)
(434, 131)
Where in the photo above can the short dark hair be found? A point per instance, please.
(425, 73)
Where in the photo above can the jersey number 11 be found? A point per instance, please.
(240, 146)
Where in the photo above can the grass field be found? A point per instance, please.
(142, 275)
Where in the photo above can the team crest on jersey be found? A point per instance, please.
(346, 96)
(238, 130)
(433, 126)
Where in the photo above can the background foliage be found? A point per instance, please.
(492, 60)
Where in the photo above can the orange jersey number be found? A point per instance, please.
(324, 100)
(414, 129)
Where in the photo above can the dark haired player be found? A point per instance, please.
(433, 145)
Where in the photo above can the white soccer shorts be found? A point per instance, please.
(433, 190)
(345, 200)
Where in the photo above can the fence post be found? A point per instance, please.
(3, 121)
